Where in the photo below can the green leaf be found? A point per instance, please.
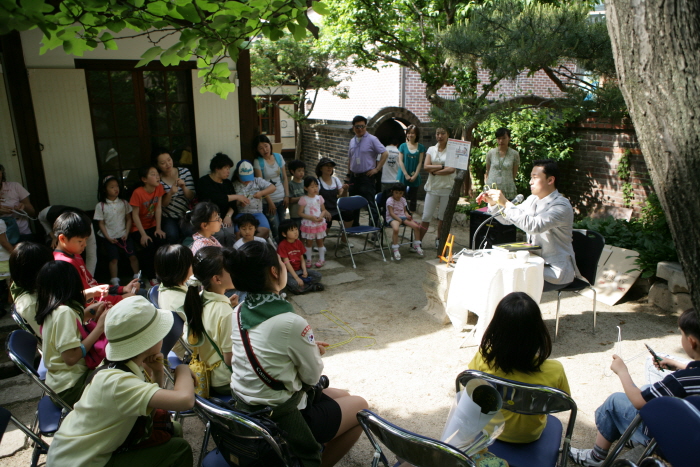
(320, 8)
(157, 8)
(148, 56)
(139, 3)
(116, 26)
(189, 12)
(222, 21)
(221, 70)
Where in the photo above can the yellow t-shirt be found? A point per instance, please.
(102, 418)
(25, 305)
(217, 319)
(60, 333)
(525, 428)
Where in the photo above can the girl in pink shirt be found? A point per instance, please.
(206, 220)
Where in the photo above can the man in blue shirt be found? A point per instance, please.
(362, 163)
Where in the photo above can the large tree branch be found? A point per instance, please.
(555, 79)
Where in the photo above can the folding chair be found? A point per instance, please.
(239, 437)
(418, 450)
(674, 428)
(23, 324)
(353, 203)
(21, 348)
(6, 417)
(153, 295)
(588, 246)
(380, 199)
(530, 399)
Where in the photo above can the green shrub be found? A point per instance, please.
(649, 235)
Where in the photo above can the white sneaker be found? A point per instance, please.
(114, 281)
(397, 255)
(412, 249)
(584, 457)
(419, 251)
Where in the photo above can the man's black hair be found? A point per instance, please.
(72, 224)
(550, 169)
(359, 118)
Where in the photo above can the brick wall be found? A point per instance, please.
(590, 179)
(538, 84)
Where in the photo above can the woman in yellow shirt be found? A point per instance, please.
(516, 346)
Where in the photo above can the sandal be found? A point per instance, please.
(319, 264)
(308, 264)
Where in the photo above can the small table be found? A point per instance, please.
(480, 282)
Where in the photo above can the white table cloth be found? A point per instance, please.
(479, 283)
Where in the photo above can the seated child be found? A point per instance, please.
(96, 432)
(206, 220)
(114, 217)
(72, 230)
(247, 225)
(617, 412)
(397, 215)
(210, 314)
(60, 310)
(291, 250)
(173, 267)
(25, 262)
(516, 346)
(296, 188)
(6, 250)
(255, 189)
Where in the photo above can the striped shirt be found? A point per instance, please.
(681, 383)
(179, 204)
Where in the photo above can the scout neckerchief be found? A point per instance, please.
(259, 307)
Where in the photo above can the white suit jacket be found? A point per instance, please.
(548, 222)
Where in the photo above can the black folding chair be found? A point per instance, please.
(353, 203)
(241, 440)
(530, 399)
(21, 347)
(415, 449)
(588, 246)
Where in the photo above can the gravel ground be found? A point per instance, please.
(407, 370)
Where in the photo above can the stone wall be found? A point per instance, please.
(590, 179)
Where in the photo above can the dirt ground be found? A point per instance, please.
(407, 370)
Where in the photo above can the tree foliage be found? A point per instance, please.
(210, 31)
(535, 133)
(306, 64)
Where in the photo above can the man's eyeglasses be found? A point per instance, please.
(360, 127)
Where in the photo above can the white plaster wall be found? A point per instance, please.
(63, 122)
(369, 92)
(217, 124)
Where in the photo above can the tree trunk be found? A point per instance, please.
(656, 45)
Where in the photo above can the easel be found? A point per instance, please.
(448, 248)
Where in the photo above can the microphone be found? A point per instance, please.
(518, 199)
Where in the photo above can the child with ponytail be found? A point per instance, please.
(210, 314)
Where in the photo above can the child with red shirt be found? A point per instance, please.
(291, 250)
(146, 202)
(71, 231)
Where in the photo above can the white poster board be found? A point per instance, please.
(287, 126)
(458, 154)
(612, 277)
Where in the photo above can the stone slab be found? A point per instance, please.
(18, 389)
(311, 303)
(330, 264)
(342, 278)
(681, 302)
(660, 296)
(666, 269)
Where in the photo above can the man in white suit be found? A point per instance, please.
(547, 218)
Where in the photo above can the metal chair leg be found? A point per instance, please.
(595, 294)
(205, 443)
(556, 325)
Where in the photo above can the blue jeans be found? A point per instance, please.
(275, 219)
(615, 415)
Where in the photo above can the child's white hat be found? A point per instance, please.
(245, 171)
(133, 326)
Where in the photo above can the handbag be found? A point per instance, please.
(11, 229)
(98, 352)
(203, 371)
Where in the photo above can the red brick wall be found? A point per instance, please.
(538, 84)
(591, 180)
